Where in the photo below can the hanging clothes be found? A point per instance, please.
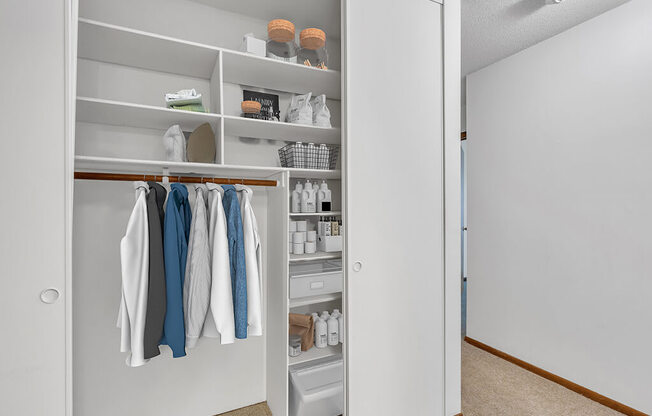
(175, 245)
(236, 259)
(253, 261)
(134, 258)
(197, 283)
(220, 320)
(155, 315)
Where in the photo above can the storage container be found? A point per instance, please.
(313, 48)
(281, 44)
(317, 389)
(329, 243)
(315, 278)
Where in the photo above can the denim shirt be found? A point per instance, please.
(175, 246)
(236, 259)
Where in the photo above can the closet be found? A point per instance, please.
(389, 90)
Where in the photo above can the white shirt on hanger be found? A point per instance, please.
(220, 321)
(253, 261)
(134, 257)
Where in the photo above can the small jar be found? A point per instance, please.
(313, 48)
(281, 44)
(251, 109)
(295, 345)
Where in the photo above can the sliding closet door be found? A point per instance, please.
(33, 209)
(394, 214)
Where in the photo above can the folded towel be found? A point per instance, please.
(182, 97)
(302, 325)
(189, 107)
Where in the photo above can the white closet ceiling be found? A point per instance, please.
(495, 29)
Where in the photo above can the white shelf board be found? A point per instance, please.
(120, 45)
(320, 255)
(245, 69)
(311, 300)
(316, 353)
(125, 46)
(117, 113)
(277, 130)
(151, 167)
(315, 214)
(314, 173)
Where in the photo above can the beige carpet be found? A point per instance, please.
(259, 409)
(492, 386)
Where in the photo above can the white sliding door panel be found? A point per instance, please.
(394, 208)
(33, 208)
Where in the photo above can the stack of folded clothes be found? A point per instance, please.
(187, 100)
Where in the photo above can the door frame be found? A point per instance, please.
(451, 27)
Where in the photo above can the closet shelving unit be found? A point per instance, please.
(107, 43)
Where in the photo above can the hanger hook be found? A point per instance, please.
(242, 181)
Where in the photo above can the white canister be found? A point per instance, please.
(302, 225)
(293, 226)
(298, 238)
(310, 247)
(297, 248)
(311, 236)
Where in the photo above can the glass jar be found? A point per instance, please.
(281, 44)
(251, 109)
(313, 48)
(294, 346)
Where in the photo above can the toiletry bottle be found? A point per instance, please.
(315, 318)
(336, 313)
(341, 227)
(323, 198)
(333, 334)
(321, 333)
(326, 227)
(308, 201)
(335, 227)
(340, 327)
(325, 315)
(296, 197)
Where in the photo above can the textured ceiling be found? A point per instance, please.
(495, 29)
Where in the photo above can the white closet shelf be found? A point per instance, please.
(316, 353)
(155, 167)
(118, 113)
(276, 130)
(320, 255)
(311, 300)
(315, 214)
(124, 46)
(314, 173)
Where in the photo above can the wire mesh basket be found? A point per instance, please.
(309, 156)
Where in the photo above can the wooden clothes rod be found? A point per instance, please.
(96, 176)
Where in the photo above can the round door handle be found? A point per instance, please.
(357, 266)
(50, 295)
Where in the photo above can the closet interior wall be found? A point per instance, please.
(213, 378)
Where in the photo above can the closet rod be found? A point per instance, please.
(97, 176)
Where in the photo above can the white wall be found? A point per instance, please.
(560, 204)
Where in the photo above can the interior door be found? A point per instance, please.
(33, 211)
(394, 207)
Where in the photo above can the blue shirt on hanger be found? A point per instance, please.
(236, 259)
(175, 247)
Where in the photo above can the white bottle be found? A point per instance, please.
(315, 318)
(325, 315)
(321, 333)
(340, 327)
(308, 200)
(336, 313)
(296, 197)
(323, 198)
(333, 335)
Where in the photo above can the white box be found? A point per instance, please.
(329, 243)
(254, 46)
(317, 389)
(315, 278)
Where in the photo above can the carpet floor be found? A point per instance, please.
(492, 386)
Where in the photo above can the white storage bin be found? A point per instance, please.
(315, 278)
(317, 390)
(329, 243)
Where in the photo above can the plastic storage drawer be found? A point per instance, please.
(315, 278)
(317, 389)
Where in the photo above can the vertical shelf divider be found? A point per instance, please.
(217, 103)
